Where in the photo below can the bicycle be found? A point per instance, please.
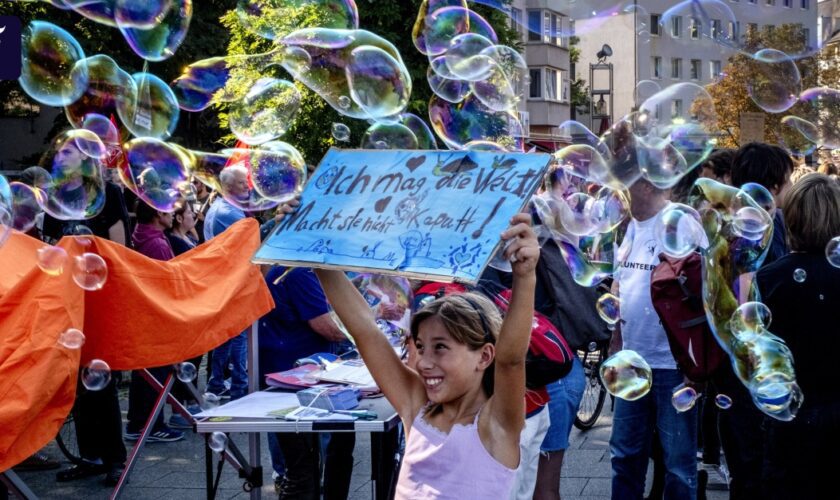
(67, 442)
(594, 392)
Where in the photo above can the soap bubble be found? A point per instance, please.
(799, 275)
(210, 401)
(108, 87)
(470, 120)
(683, 398)
(96, 375)
(271, 18)
(266, 112)
(157, 172)
(186, 371)
(51, 259)
(143, 15)
(100, 11)
(443, 83)
(759, 194)
(77, 188)
(48, 56)
(750, 317)
(379, 84)
(679, 230)
(102, 127)
(422, 132)
(832, 251)
(585, 162)
(751, 223)
(610, 208)
(240, 192)
(503, 88)
(609, 308)
(153, 111)
(774, 83)
(723, 401)
(644, 90)
(5, 224)
(72, 338)
(439, 24)
(217, 441)
(341, 132)
(278, 171)
(821, 105)
(201, 81)
(626, 375)
(90, 271)
(394, 136)
(25, 207)
(777, 393)
(344, 102)
(163, 39)
(466, 58)
(390, 299)
(796, 135)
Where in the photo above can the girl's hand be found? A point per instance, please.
(523, 250)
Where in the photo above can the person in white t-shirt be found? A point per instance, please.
(641, 331)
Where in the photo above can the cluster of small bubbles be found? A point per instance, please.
(799, 275)
(679, 230)
(217, 441)
(152, 111)
(266, 112)
(626, 375)
(156, 172)
(210, 401)
(186, 371)
(49, 54)
(775, 82)
(96, 375)
(684, 397)
(161, 39)
(723, 401)
(72, 338)
(832, 251)
(341, 132)
(90, 271)
(51, 259)
(389, 136)
(609, 308)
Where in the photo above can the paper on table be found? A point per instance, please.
(254, 405)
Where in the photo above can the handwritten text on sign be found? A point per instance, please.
(433, 213)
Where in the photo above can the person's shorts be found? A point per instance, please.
(565, 395)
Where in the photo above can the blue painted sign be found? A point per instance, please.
(426, 214)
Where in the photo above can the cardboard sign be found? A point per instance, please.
(426, 214)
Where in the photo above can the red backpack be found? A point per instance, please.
(549, 357)
(676, 288)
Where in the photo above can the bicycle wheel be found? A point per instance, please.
(594, 392)
(66, 440)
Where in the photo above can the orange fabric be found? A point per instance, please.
(149, 313)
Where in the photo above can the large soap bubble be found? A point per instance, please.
(679, 231)
(378, 82)
(153, 111)
(626, 375)
(821, 107)
(439, 22)
(502, 89)
(444, 84)
(266, 112)
(144, 15)
(421, 131)
(76, 189)
(49, 55)
(470, 120)
(277, 170)
(163, 39)
(387, 136)
(157, 172)
(108, 85)
(466, 58)
(775, 83)
(100, 11)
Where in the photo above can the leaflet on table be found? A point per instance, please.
(351, 372)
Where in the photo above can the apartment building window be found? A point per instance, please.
(715, 69)
(787, 3)
(696, 69)
(733, 30)
(654, 24)
(547, 27)
(807, 33)
(534, 26)
(805, 4)
(516, 20)
(676, 68)
(676, 108)
(552, 84)
(716, 30)
(567, 87)
(694, 28)
(555, 28)
(656, 67)
(676, 26)
(535, 92)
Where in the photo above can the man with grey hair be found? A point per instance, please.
(223, 214)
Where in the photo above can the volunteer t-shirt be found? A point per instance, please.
(641, 329)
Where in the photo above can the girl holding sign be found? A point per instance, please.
(462, 432)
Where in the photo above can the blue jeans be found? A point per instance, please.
(633, 424)
(234, 351)
(565, 394)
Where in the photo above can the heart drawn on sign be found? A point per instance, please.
(415, 162)
(382, 204)
(462, 258)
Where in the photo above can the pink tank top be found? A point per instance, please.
(450, 466)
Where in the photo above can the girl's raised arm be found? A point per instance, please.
(507, 406)
(401, 385)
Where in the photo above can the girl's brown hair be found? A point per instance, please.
(470, 318)
(181, 206)
(812, 213)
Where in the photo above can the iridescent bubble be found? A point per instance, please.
(446, 87)
(96, 375)
(48, 56)
(144, 15)
(156, 171)
(503, 88)
(5, 224)
(759, 194)
(644, 90)
(100, 11)
(379, 84)
(394, 136)
(77, 188)
(799, 275)
(422, 132)
(25, 208)
(626, 375)
(102, 127)
(751, 223)
(821, 105)
(160, 41)
(584, 161)
(108, 87)
(795, 136)
(210, 401)
(72, 338)
(774, 82)
(470, 120)
(466, 58)
(679, 230)
(341, 132)
(273, 19)
(723, 401)
(202, 82)
(609, 308)
(390, 299)
(234, 181)
(153, 112)
(266, 112)
(51, 260)
(750, 317)
(186, 371)
(90, 271)
(832, 251)
(217, 441)
(610, 208)
(434, 32)
(660, 162)
(683, 398)
(775, 393)
(278, 170)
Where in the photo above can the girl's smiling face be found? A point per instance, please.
(449, 369)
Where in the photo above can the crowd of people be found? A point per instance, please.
(470, 426)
